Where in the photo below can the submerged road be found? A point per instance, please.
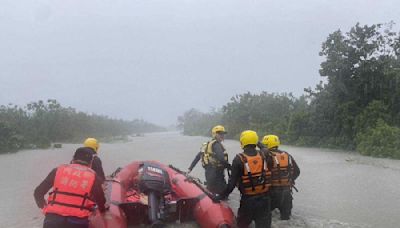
(336, 188)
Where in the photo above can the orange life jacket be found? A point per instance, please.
(282, 170)
(71, 191)
(256, 178)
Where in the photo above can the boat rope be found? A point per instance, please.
(195, 181)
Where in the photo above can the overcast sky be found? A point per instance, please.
(154, 59)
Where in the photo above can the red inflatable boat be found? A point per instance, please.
(148, 192)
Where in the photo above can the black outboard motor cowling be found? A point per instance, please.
(153, 178)
(154, 182)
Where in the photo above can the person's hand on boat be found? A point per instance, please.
(216, 198)
(107, 206)
(213, 197)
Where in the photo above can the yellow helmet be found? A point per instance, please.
(91, 143)
(248, 138)
(218, 129)
(271, 141)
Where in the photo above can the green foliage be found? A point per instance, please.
(265, 113)
(376, 110)
(359, 97)
(41, 123)
(362, 85)
(9, 140)
(194, 122)
(380, 141)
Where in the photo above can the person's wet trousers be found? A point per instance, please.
(282, 199)
(57, 221)
(255, 208)
(215, 178)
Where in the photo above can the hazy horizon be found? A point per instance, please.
(153, 60)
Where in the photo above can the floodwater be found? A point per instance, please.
(336, 188)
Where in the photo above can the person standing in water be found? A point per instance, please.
(214, 159)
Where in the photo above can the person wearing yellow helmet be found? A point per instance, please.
(251, 174)
(284, 172)
(214, 159)
(97, 166)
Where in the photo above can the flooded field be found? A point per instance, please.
(336, 188)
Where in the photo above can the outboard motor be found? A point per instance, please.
(154, 182)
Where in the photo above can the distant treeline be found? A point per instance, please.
(357, 107)
(38, 124)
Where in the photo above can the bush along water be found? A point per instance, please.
(38, 124)
(355, 107)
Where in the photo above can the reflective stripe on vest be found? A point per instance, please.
(203, 149)
(282, 170)
(256, 178)
(71, 191)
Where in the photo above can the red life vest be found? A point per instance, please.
(282, 170)
(256, 178)
(71, 191)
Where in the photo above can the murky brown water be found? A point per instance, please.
(337, 189)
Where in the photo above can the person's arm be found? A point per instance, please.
(270, 162)
(43, 188)
(98, 194)
(195, 161)
(237, 170)
(218, 151)
(98, 168)
(296, 169)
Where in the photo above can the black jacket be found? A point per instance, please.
(97, 166)
(218, 151)
(196, 160)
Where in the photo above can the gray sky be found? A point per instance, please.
(154, 59)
